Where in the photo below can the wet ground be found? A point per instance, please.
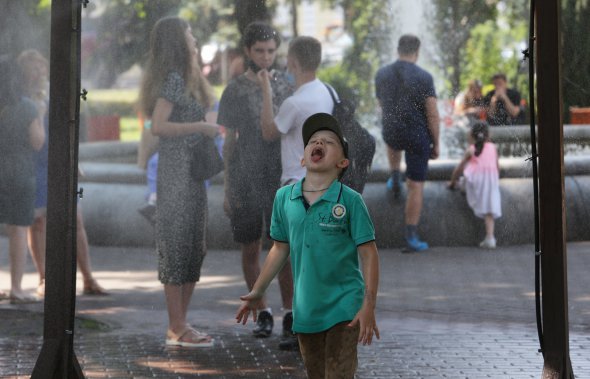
(445, 313)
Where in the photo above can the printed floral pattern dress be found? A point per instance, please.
(181, 213)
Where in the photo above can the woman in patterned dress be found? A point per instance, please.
(175, 95)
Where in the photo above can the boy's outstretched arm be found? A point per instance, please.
(366, 315)
(274, 262)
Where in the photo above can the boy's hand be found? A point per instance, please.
(452, 185)
(251, 303)
(368, 326)
(264, 79)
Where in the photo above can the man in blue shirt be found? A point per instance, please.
(410, 123)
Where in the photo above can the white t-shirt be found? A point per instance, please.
(311, 98)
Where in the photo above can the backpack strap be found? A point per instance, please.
(332, 94)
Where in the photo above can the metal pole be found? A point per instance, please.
(557, 364)
(57, 359)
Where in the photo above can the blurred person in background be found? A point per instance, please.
(503, 103)
(408, 99)
(21, 134)
(480, 169)
(470, 102)
(35, 71)
(252, 168)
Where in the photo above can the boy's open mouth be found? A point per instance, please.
(316, 154)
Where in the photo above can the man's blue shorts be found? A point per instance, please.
(417, 148)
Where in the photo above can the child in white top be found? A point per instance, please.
(480, 168)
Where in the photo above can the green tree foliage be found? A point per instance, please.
(124, 28)
(490, 50)
(122, 36)
(482, 54)
(17, 32)
(208, 17)
(494, 44)
(371, 25)
(576, 54)
(451, 23)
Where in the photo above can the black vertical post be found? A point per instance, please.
(57, 359)
(557, 364)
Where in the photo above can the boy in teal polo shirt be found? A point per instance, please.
(324, 227)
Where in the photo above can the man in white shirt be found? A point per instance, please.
(311, 96)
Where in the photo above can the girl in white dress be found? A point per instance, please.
(480, 168)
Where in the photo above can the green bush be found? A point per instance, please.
(348, 85)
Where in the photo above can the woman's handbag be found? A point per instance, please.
(206, 160)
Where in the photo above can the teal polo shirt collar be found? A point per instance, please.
(333, 193)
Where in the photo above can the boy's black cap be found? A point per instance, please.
(323, 121)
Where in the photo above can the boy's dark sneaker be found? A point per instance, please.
(264, 324)
(289, 340)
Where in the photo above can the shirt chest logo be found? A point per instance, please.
(338, 211)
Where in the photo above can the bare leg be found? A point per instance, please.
(187, 294)
(251, 264)
(17, 247)
(37, 246)
(91, 286)
(394, 183)
(289, 340)
(177, 302)
(83, 254)
(175, 306)
(414, 202)
(489, 221)
(286, 285)
(395, 158)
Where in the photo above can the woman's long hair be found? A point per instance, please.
(170, 52)
(473, 95)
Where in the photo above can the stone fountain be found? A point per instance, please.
(114, 188)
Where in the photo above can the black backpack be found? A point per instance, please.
(361, 144)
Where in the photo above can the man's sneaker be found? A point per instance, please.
(264, 324)
(488, 243)
(394, 187)
(415, 245)
(289, 340)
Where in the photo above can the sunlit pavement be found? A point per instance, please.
(445, 313)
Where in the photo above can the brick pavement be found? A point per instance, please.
(485, 352)
(449, 313)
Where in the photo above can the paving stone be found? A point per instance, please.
(448, 313)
